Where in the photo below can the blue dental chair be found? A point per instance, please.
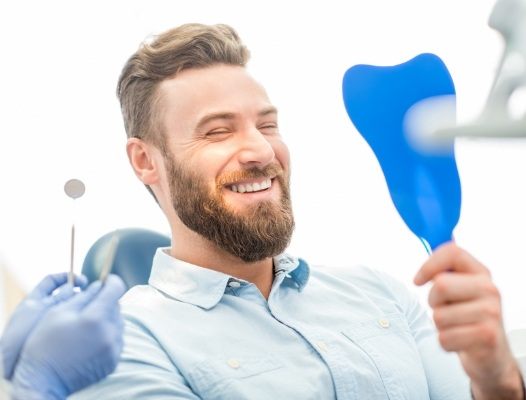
(133, 256)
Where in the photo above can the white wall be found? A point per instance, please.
(60, 119)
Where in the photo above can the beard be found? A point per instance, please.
(262, 230)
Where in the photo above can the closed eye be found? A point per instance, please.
(220, 131)
(271, 128)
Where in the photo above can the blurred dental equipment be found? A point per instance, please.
(74, 188)
(110, 256)
(504, 114)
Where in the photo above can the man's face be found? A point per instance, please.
(226, 164)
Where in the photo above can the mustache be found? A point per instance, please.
(230, 178)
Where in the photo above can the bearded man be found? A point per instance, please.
(227, 314)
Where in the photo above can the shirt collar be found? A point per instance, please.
(294, 268)
(205, 287)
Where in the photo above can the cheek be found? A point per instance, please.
(282, 153)
(209, 164)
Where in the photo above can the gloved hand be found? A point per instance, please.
(77, 343)
(29, 312)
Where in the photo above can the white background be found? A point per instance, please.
(60, 61)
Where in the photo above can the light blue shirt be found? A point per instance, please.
(349, 334)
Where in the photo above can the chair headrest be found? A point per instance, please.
(133, 256)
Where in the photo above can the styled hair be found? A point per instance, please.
(185, 47)
(164, 56)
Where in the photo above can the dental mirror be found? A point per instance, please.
(74, 188)
(424, 185)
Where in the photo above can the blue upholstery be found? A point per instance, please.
(133, 256)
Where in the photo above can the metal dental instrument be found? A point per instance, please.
(74, 188)
(110, 257)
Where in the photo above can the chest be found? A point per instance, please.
(307, 346)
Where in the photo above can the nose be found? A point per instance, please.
(256, 150)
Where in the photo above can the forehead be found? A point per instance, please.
(194, 93)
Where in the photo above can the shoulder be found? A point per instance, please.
(137, 295)
(143, 304)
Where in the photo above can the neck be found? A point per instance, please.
(190, 247)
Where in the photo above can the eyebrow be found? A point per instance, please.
(230, 116)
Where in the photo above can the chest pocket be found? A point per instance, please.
(389, 345)
(237, 377)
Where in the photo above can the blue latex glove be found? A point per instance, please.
(76, 344)
(52, 290)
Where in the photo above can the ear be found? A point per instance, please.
(143, 158)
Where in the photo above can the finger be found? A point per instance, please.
(109, 295)
(468, 337)
(466, 313)
(81, 281)
(48, 285)
(59, 295)
(52, 282)
(79, 301)
(457, 287)
(448, 257)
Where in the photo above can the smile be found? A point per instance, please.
(251, 187)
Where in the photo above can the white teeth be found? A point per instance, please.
(251, 187)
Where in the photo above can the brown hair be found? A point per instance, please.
(187, 46)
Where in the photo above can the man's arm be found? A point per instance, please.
(144, 371)
(468, 315)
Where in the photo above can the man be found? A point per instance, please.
(58, 341)
(226, 313)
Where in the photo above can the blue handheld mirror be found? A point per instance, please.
(424, 186)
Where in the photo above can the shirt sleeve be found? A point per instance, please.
(144, 372)
(444, 373)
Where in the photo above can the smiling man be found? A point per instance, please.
(227, 314)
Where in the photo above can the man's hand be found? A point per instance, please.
(468, 315)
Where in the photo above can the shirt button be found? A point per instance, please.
(384, 323)
(322, 346)
(233, 363)
(234, 284)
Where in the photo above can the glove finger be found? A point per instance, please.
(109, 295)
(65, 291)
(79, 301)
(52, 282)
(61, 294)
